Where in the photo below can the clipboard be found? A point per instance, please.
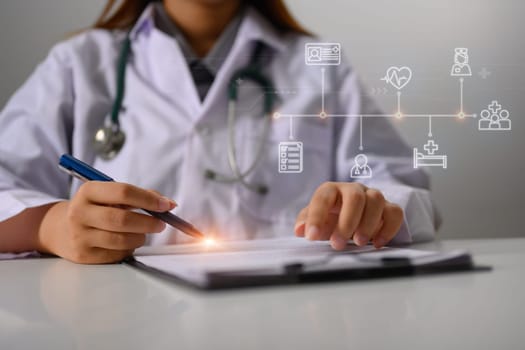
(306, 262)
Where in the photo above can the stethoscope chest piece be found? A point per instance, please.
(108, 141)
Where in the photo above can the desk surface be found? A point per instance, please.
(53, 304)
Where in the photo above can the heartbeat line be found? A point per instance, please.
(398, 77)
(395, 79)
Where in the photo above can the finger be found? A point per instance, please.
(379, 226)
(352, 207)
(115, 193)
(172, 202)
(324, 198)
(372, 214)
(156, 193)
(119, 220)
(330, 227)
(115, 240)
(300, 222)
(392, 221)
(108, 256)
(152, 191)
(98, 256)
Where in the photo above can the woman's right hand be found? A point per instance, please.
(98, 225)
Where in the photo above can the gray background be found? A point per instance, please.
(482, 193)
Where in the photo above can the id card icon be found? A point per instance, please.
(290, 157)
(323, 54)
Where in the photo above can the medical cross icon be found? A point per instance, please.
(485, 73)
(495, 107)
(431, 147)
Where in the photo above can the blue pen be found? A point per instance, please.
(84, 172)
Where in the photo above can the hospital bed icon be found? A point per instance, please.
(429, 159)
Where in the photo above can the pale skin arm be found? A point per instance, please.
(95, 227)
(90, 228)
(18, 234)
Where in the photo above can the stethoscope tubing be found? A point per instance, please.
(107, 148)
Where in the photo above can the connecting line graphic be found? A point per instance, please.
(360, 133)
(461, 85)
(322, 90)
(494, 118)
(374, 115)
(291, 137)
(399, 104)
(420, 159)
(397, 115)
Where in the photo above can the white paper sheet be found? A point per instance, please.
(10, 256)
(194, 262)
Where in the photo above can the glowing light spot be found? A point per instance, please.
(276, 115)
(399, 115)
(209, 242)
(461, 115)
(323, 115)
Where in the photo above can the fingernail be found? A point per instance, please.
(380, 242)
(312, 233)
(338, 242)
(299, 226)
(161, 226)
(360, 239)
(165, 204)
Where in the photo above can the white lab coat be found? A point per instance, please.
(172, 138)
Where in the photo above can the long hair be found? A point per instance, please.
(127, 13)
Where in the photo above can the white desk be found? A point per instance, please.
(53, 304)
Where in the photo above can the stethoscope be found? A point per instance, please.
(110, 138)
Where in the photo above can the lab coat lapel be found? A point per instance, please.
(170, 71)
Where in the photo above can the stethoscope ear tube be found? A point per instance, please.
(109, 139)
(252, 73)
(121, 81)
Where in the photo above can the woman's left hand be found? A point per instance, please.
(340, 211)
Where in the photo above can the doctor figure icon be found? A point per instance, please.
(361, 169)
(461, 66)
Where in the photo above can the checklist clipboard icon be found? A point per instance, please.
(290, 157)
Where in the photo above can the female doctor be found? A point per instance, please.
(167, 68)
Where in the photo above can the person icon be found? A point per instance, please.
(494, 122)
(361, 169)
(461, 66)
(484, 122)
(505, 123)
(314, 55)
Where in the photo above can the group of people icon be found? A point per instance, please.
(495, 118)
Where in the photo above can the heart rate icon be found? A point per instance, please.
(398, 77)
